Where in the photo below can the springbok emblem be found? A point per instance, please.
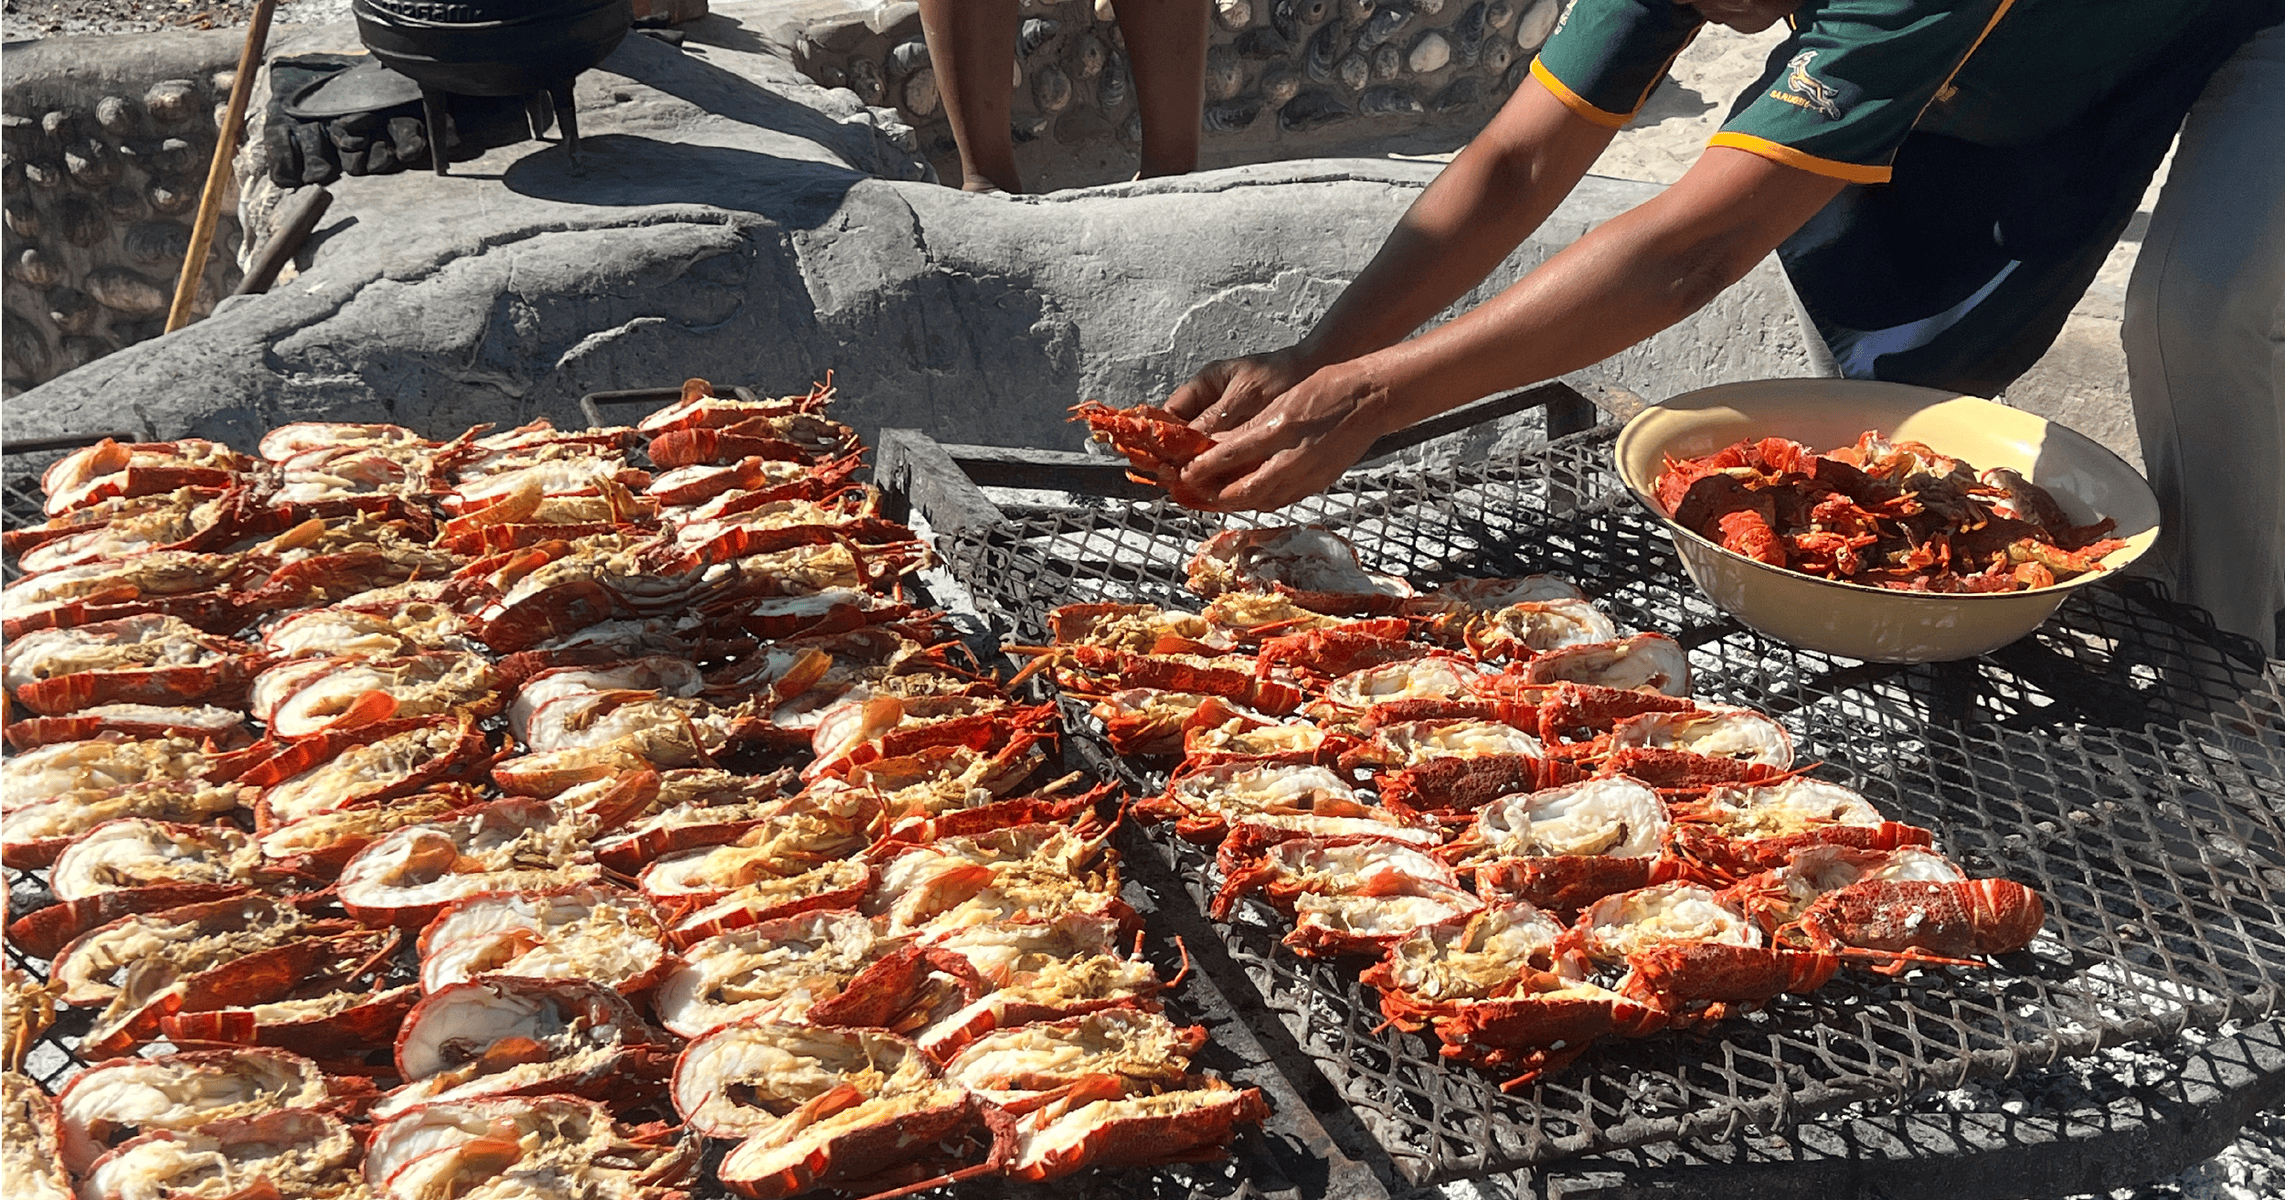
(1812, 90)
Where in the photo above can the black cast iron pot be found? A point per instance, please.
(491, 47)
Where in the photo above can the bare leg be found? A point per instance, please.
(1167, 41)
(972, 47)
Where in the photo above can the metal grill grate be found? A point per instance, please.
(2125, 760)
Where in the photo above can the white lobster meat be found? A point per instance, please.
(107, 1104)
(605, 934)
(295, 1152)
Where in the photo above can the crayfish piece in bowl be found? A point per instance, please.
(29, 1160)
(592, 931)
(521, 1146)
(505, 1035)
(814, 1106)
(1086, 1129)
(1312, 565)
(111, 1102)
(291, 1152)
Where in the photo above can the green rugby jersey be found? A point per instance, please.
(1855, 76)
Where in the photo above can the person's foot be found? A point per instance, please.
(985, 184)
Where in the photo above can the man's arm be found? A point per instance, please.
(1494, 193)
(1626, 280)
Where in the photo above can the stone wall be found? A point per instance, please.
(1284, 78)
(104, 155)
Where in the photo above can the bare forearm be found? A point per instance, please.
(1628, 279)
(1493, 195)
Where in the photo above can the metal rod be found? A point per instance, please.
(218, 171)
(302, 213)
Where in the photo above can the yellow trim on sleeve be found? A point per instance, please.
(1775, 152)
(1574, 101)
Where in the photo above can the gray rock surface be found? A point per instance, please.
(730, 219)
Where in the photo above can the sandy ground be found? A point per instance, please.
(45, 18)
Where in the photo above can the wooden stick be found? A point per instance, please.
(218, 172)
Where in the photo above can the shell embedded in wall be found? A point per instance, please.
(1459, 95)
(173, 101)
(1388, 62)
(1498, 53)
(157, 243)
(1429, 53)
(1280, 84)
(1499, 14)
(921, 98)
(1468, 33)
(1294, 18)
(1314, 108)
(125, 291)
(865, 80)
(906, 57)
(1324, 50)
(1234, 14)
(1532, 28)
(34, 269)
(1035, 33)
(73, 311)
(169, 197)
(1088, 54)
(1050, 89)
(1354, 12)
(1230, 116)
(81, 222)
(1112, 91)
(1388, 20)
(1389, 101)
(1427, 9)
(1225, 73)
(1262, 43)
(117, 115)
(1354, 72)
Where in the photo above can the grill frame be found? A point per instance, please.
(2144, 698)
(2214, 1084)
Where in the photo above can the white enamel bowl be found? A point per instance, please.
(1872, 623)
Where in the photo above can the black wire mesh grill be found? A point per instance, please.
(54, 1056)
(2126, 760)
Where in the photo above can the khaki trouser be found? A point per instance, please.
(2205, 346)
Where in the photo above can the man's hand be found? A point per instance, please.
(1226, 394)
(1297, 444)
